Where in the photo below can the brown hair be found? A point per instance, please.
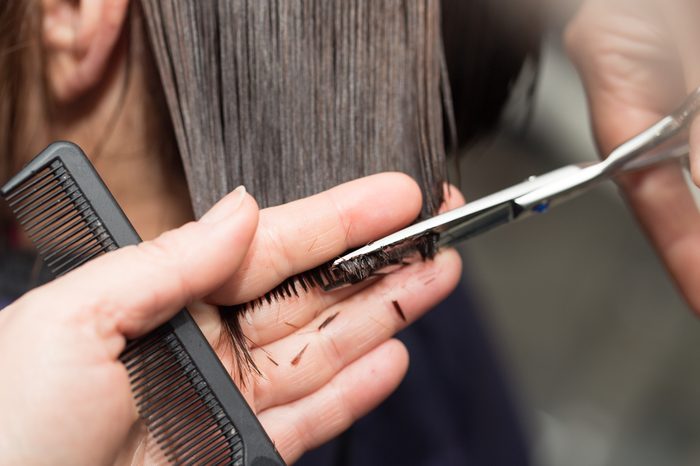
(290, 98)
(15, 24)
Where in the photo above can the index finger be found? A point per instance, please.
(295, 237)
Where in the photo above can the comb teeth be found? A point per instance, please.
(179, 408)
(59, 219)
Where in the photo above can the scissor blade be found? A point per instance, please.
(468, 220)
(479, 223)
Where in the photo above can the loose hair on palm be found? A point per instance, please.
(291, 97)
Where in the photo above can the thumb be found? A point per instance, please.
(131, 291)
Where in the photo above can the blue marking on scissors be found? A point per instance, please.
(542, 207)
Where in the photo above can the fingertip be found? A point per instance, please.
(450, 263)
(414, 194)
(357, 389)
(377, 205)
(453, 198)
(397, 352)
(400, 187)
(243, 220)
(398, 178)
(226, 206)
(380, 372)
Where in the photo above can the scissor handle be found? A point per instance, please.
(656, 136)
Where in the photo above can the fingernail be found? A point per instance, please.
(225, 207)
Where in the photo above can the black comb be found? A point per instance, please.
(184, 395)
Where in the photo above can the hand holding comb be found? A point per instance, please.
(184, 395)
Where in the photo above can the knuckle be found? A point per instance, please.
(333, 357)
(341, 217)
(280, 257)
(570, 37)
(579, 36)
(162, 259)
(574, 38)
(303, 437)
(161, 250)
(345, 413)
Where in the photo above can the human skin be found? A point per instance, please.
(68, 397)
(638, 59)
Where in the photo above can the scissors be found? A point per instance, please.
(656, 145)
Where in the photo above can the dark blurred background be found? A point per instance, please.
(600, 349)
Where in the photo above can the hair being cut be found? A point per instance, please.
(294, 97)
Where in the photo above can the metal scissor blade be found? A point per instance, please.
(532, 196)
(565, 187)
(495, 209)
(470, 219)
(478, 223)
(651, 147)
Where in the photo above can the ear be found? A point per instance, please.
(79, 37)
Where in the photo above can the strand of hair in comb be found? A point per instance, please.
(187, 400)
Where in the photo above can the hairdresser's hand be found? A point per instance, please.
(65, 398)
(638, 59)
(328, 358)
